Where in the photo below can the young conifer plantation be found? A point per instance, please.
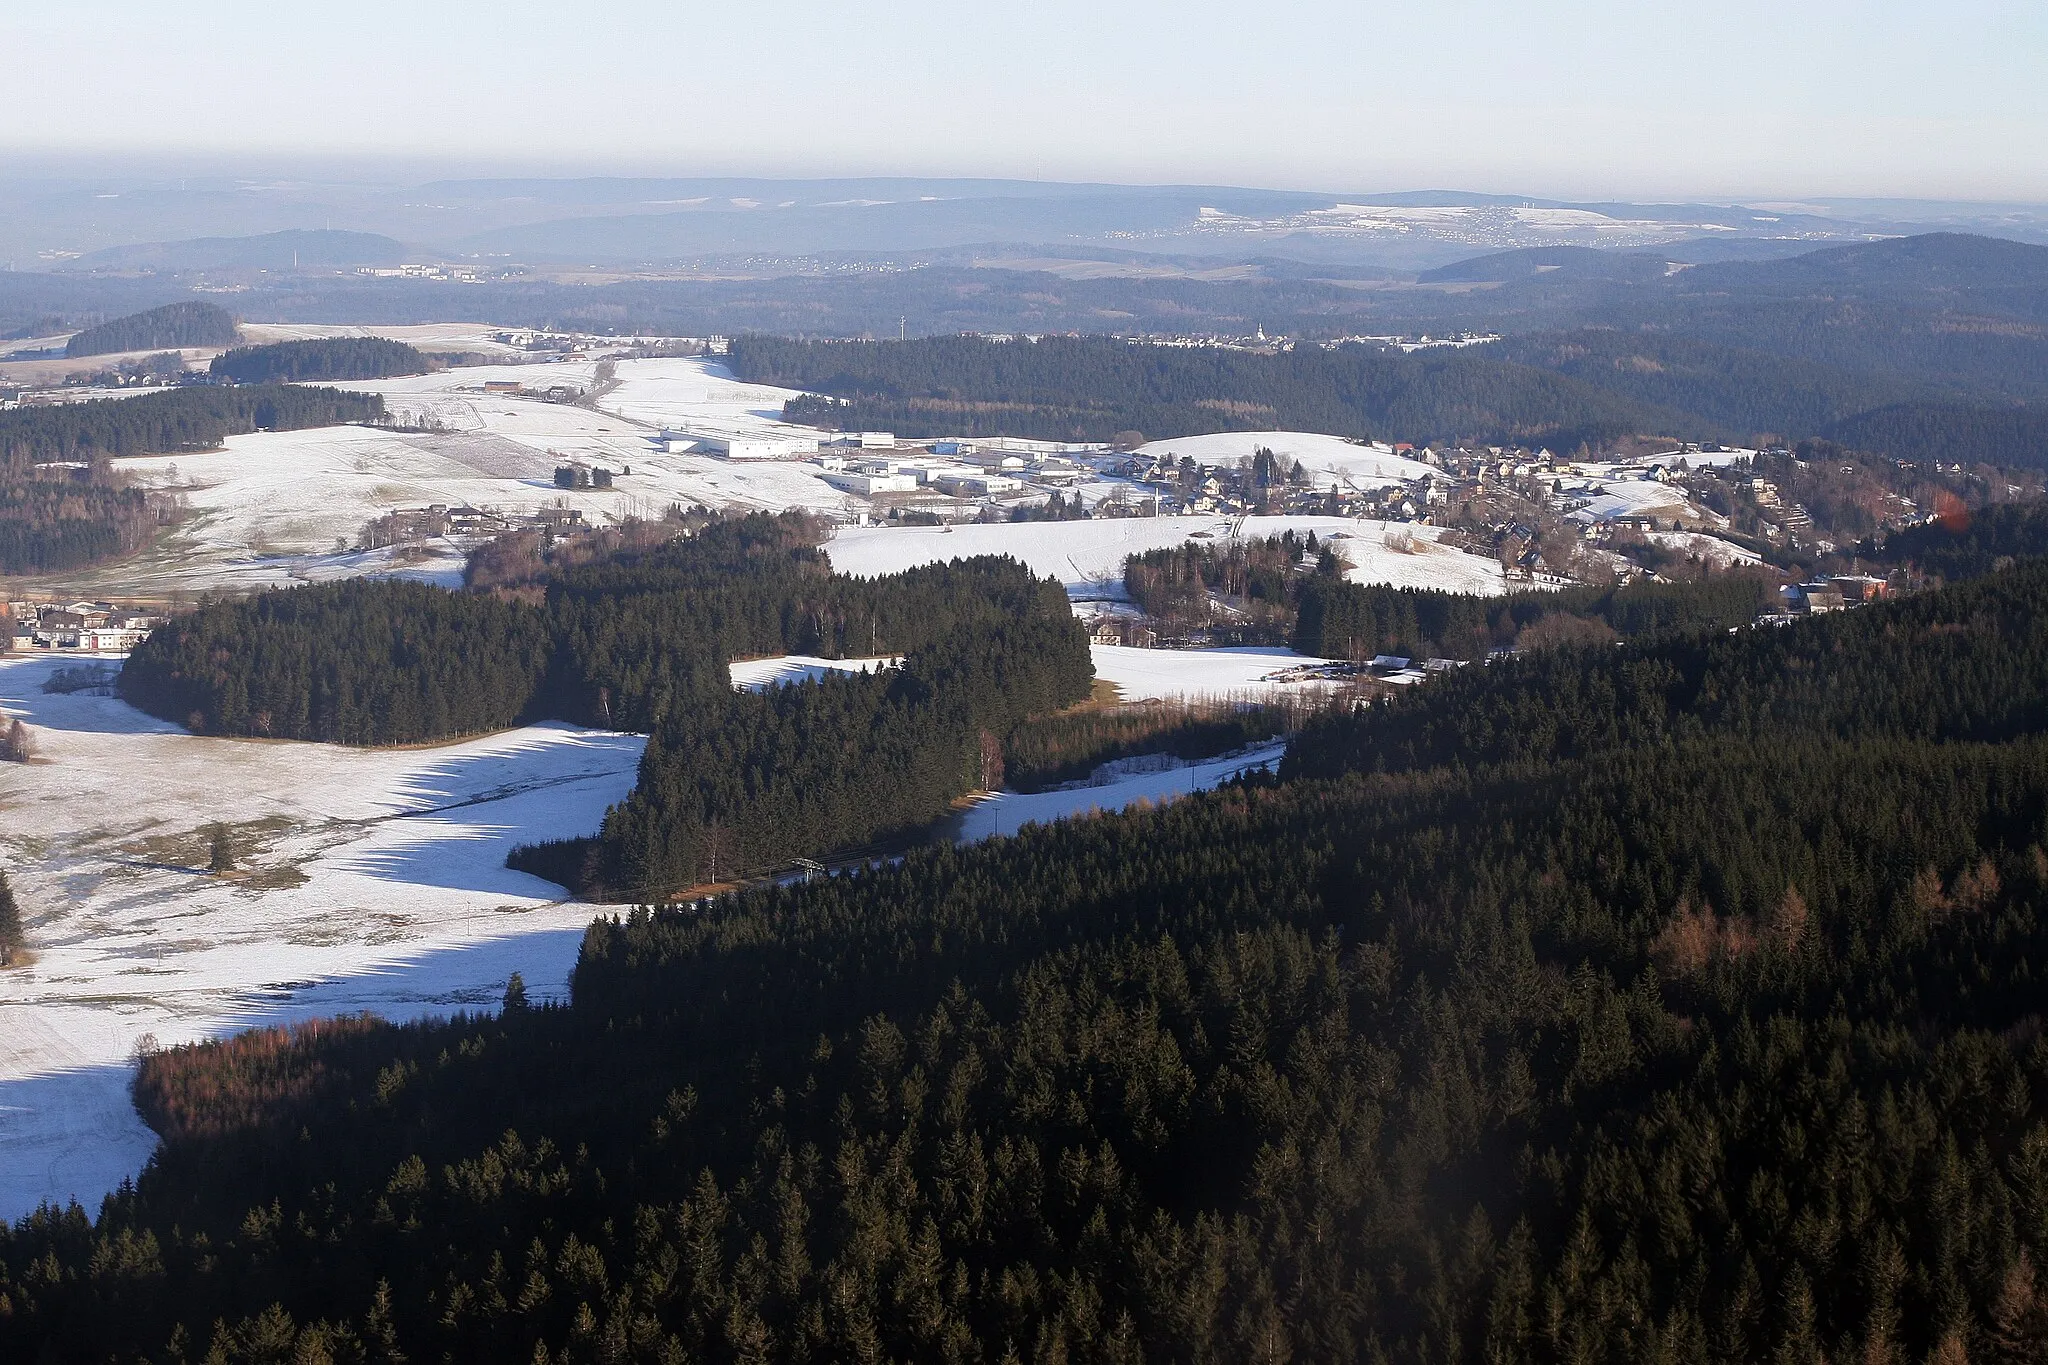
(1670, 1000)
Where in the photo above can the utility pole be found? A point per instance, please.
(903, 329)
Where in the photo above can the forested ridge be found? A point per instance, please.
(1558, 388)
(169, 328)
(1093, 388)
(1711, 1033)
(284, 362)
(1964, 543)
(730, 782)
(1967, 663)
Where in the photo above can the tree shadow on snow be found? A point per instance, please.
(74, 1134)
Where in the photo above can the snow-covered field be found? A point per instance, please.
(1327, 457)
(1246, 673)
(269, 508)
(1642, 497)
(1007, 812)
(1088, 556)
(1710, 548)
(369, 880)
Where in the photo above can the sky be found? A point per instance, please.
(1573, 98)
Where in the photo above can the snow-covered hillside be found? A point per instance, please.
(370, 879)
(269, 508)
(1327, 457)
(1088, 556)
(1250, 672)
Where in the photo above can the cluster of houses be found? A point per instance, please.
(1190, 487)
(408, 525)
(552, 393)
(1832, 594)
(79, 627)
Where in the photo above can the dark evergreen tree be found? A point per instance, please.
(220, 849)
(11, 940)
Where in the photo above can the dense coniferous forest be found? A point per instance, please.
(1964, 543)
(1093, 388)
(1967, 663)
(353, 662)
(1699, 1022)
(324, 358)
(1549, 388)
(168, 328)
(1340, 620)
(730, 782)
(198, 418)
(2007, 435)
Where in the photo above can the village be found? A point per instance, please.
(77, 627)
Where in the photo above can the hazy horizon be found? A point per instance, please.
(1594, 100)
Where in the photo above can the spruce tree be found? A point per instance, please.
(10, 924)
(221, 854)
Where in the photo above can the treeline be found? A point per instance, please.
(1173, 584)
(1964, 543)
(1967, 663)
(286, 362)
(1336, 619)
(1294, 588)
(730, 782)
(1069, 745)
(1769, 368)
(168, 423)
(2007, 436)
(352, 663)
(169, 328)
(1095, 388)
(50, 525)
(1712, 1042)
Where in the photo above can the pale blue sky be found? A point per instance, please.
(1721, 98)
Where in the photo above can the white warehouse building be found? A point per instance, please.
(736, 447)
(867, 485)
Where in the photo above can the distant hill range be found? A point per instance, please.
(267, 251)
(222, 222)
(169, 328)
(1931, 346)
(1568, 262)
